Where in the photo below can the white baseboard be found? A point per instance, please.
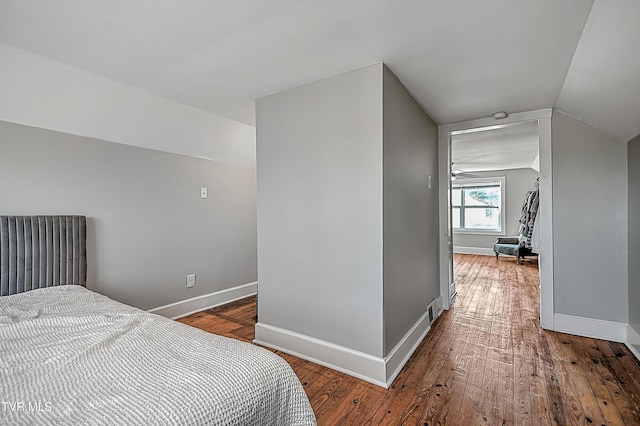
(485, 251)
(401, 353)
(207, 301)
(372, 369)
(589, 327)
(633, 341)
(354, 363)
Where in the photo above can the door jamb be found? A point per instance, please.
(545, 259)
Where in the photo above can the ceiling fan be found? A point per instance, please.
(460, 174)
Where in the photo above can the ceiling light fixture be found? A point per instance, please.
(500, 115)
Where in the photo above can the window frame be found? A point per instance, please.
(473, 182)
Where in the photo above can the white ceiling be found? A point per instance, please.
(510, 147)
(461, 60)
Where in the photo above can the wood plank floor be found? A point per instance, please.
(484, 362)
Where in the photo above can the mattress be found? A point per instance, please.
(72, 356)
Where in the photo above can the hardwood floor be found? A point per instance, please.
(486, 361)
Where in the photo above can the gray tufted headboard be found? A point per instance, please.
(41, 251)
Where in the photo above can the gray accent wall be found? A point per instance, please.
(633, 158)
(517, 183)
(147, 226)
(410, 211)
(347, 227)
(319, 168)
(589, 221)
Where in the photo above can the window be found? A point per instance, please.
(477, 205)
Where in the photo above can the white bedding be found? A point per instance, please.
(72, 356)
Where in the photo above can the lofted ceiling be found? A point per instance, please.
(461, 59)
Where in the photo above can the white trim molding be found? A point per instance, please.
(400, 354)
(590, 327)
(207, 301)
(545, 259)
(444, 217)
(633, 341)
(354, 363)
(484, 251)
(545, 216)
(373, 369)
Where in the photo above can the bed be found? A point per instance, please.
(69, 355)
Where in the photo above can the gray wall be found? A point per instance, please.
(147, 226)
(589, 221)
(319, 156)
(410, 210)
(517, 183)
(633, 150)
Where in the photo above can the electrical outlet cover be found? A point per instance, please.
(191, 280)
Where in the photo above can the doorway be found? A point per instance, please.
(541, 121)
